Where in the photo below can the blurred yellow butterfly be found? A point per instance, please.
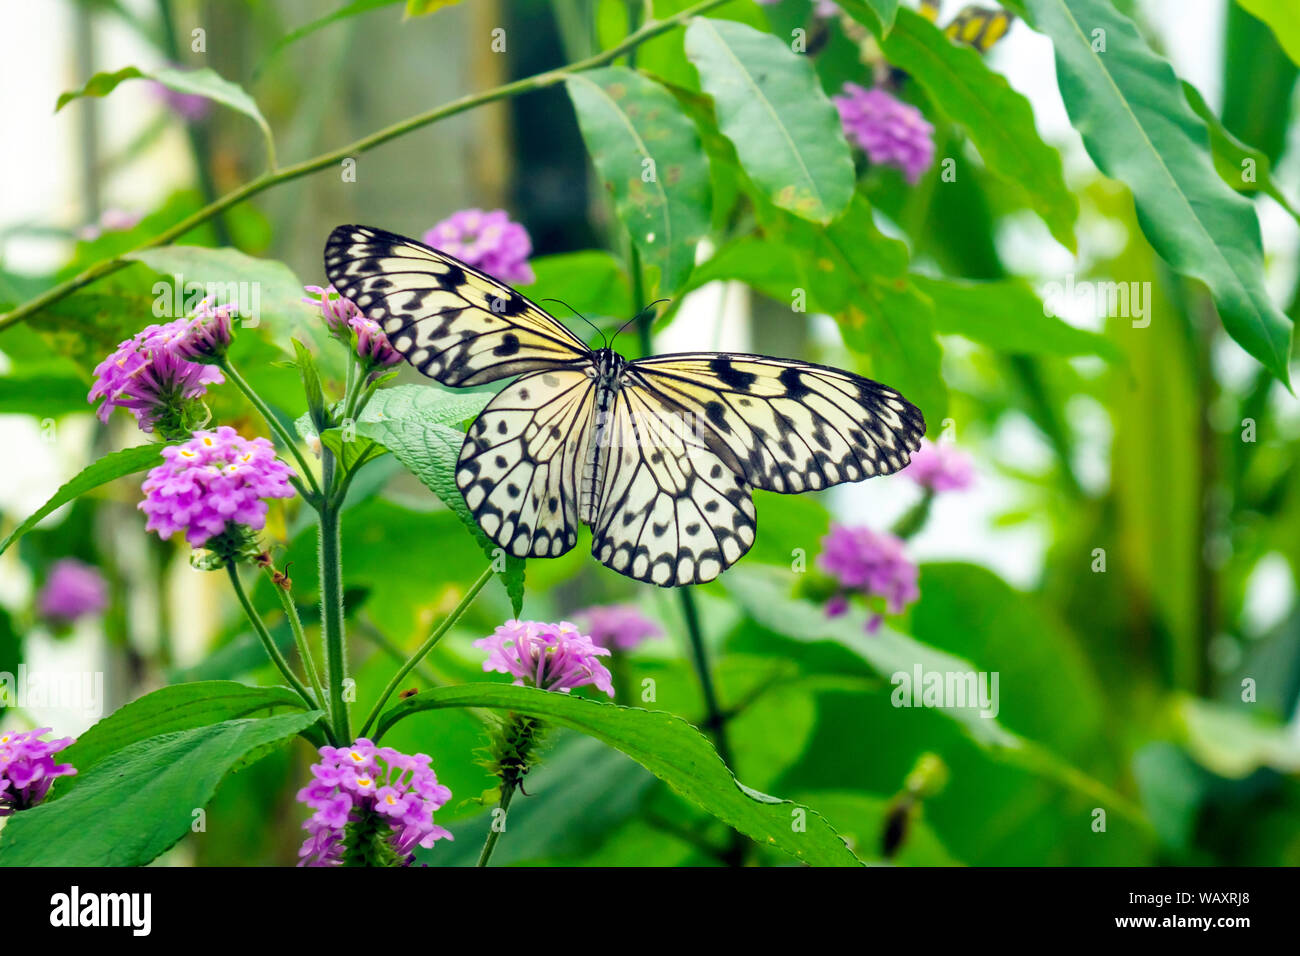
(978, 27)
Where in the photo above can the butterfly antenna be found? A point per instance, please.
(603, 343)
(634, 318)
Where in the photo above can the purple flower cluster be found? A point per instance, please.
(890, 132)
(151, 374)
(211, 481)
(549, 656)
(488, 241)
(940, 466)
(343, 319)
(71, 590)
(27, 768)
(617, 625)
(870, 563)
(354, 785)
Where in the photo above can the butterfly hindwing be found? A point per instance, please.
(783, 425)
(521, 462)
(671, 511)
(455, 324)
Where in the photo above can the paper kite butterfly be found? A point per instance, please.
(658, 456)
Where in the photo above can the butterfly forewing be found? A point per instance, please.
(521, 462)
(783, 425)
(453, 323)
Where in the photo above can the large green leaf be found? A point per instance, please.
(999, 120)
(854, 272)
(668, 747)
(136, 804)
(649, 157)
(762, 592)
(1136, 124)
(204, 82)
(429, 451)
(1009, 317)
(116, 464)
(169, 709)
(269, 289)
(771, 106)
(1283, 18)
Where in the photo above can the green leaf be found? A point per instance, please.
(44, 391)
(262, 288)
(771, 106)
(169, 709)
(135, 805)
(114, 465)
(1233, 743)
(1244, 168)
(981, 311)
(422, 8)
(591, 281)
(762, 592)
(204, 82)
(877, 15)
(1283, 18)
(311, 385)
(429, 450)
(649, 157)
(999, 120)
(343, 13)
(668, 747)
(851, 270)
(1129, 107)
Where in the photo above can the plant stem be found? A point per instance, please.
(334, 157)
(300, 638)
(274, 423)
(715, 722)
(272, 651)
(331, 607)
(490, 844)
(426, 647)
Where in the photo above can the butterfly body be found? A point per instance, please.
(658, 456)
(607, 374)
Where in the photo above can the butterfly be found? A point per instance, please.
(658, 456)
(978, 27)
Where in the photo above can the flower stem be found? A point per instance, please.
(914, 520)
(300, 638)
(272, 421)
(494, 834)
(334, 157)
(272, 651)
(329, 548)
(426, 647)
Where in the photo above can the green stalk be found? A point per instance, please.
(272, 651)
(335, 157)
(271, 420)
(490, 844)
(329, 549)
(300, 639)
(426, 647)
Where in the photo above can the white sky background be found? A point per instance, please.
(39, 184)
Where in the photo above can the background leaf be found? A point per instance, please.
(770, 105)
(1129, 107)
(628, 121)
